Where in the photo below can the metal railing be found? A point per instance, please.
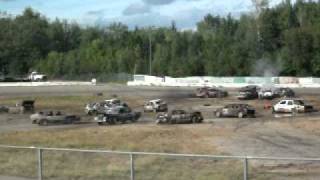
(132, 155)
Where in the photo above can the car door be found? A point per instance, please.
(290, 106)
(124, 114)
(226, 110)
(185, 117)
(177, 116)
(235, 110)
(282, 106)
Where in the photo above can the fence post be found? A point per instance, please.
(245, 169)
(39, 152)
(131, 167)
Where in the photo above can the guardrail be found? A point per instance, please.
(132, 155)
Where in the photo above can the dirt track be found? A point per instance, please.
(262, 136)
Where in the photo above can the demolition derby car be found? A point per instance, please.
(211, 92)
(117, 115)
(248, 92)
(156, 105)
(236, 110)
(179, 116)
(292, 106)
(102, 107)
(53, 117)
(271, 93)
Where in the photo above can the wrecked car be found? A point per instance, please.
(53, 117)
(179, 116)
(236, 110)
(248, 92)
(272, 92)
(284, 92)
(267, 94)
(157, 105)
(25, 106)
(117, 115)
(292, 106)
(211, 92)
(100, 107)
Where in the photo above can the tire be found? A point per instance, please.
(294, 111)
(111, 121)
(194, 119)
(67, 121)
(240, 115)
(218, 114)
(172, 121)
(43, 122)
(100, 123)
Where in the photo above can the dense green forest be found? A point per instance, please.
(285, 37)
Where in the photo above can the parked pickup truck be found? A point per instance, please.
(179, 116)
(292, 106)
(53, 117)
(121, 114)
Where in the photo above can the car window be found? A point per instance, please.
(290, 103)
(283, 102)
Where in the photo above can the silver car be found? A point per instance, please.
(51, 117)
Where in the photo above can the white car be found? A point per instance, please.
(35, 76)
(291, 106)
(156, 105)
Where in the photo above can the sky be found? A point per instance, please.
(141, 13)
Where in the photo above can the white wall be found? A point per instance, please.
(224, 81)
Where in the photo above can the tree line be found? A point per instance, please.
(285, 37)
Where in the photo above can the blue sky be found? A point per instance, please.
(185, 13)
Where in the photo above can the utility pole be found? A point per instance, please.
(150, 55)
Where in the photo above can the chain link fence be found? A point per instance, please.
(55, 164)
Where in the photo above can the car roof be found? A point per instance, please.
(155, 100)
(293, 99)
(108, 100)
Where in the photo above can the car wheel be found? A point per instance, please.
(43, 122)
(113, 120)
(194, 119)
(100, 123)
(218, 114)
(240, 115)
(172, 121)
(294, 111)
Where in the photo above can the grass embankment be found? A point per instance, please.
(149, 138)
